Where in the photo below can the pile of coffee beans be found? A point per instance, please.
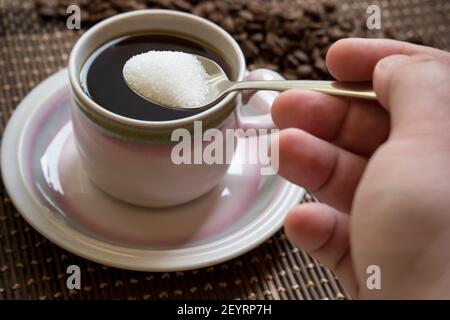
(91, 10)
(284, 36)
(288, 36)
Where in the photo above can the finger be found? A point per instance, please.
(323, 232)
(353, 124)
(326, 170)
(414, 89)
(355, 59)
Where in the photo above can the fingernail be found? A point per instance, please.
(391, 60)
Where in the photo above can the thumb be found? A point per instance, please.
(414, 89)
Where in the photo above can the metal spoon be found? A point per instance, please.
(224, 86)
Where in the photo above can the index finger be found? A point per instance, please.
(354, 59)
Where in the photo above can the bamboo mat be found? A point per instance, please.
(31, 267)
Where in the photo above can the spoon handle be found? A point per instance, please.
(363, 90)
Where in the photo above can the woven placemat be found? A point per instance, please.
(31, 267)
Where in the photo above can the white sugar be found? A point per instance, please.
(169, 77)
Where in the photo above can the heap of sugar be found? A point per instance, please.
(169, 77)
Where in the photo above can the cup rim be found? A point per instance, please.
(91, 104)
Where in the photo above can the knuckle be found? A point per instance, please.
(422, 62)
(289, 135)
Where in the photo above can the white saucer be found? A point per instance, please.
(45, 181)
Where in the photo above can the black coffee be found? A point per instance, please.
(102, 78)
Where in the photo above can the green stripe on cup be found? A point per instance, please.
(147, 135)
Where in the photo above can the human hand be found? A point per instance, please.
(382, 168)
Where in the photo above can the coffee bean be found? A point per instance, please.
(272, 23)
(277, 44)
(335, 33)
(254, 27)
(320, 65)
(249, 48)
(290, 74)
(246, 15)
(294, 29)
(257, 37)
(47, 11)
(316, 25)
(102, 15)
(320, 32)
(182, 5)
(222, 6)
(304, 71)
(329, 6)
(210, 6)
(200, 10)
(313, 12)
(292, 60)
(346, 25)
(257, 7)
(47, 8)
(98, 7)
(239, 24)
(62, 12)
(235, 6)
(241, 36)
(129, 5)
(228, 24)
(294, 15)
(66, 3)
(323, 41)
(301, 56)
(316, 54)
(309, 43)
(168, 4)
(316, 76)
(215, 16)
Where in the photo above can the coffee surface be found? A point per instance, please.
(102, 77)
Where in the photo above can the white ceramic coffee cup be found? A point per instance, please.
(131, 159)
